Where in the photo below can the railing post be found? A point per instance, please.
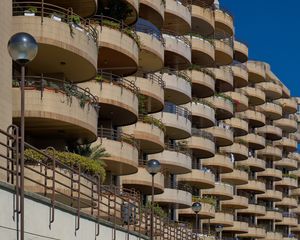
(53, 191)
(78, 199)
(42, 13)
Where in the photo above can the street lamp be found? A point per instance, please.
(22, 48)
(196, 207)
(219, 229)
(153, 167)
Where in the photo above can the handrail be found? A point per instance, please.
(117, 135)
(150, 31)
(180, 74)
(118, 80)
(203, 133)
(43, 83)
(151, 76)
(202, 3)
(83, 192)
(178, 37)
(179, 110)
(177, 148)
(48, 10)
(116, 24)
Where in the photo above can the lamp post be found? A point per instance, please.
(219, 229)
(153, 167)
(196, 207)
(22, 48)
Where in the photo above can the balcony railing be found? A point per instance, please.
(179, 38)
(202, 133)
(46, 10)
(180, 111)
(180, 74)
(81, 191)
(42, 84)
(144, 28)
(155, 78)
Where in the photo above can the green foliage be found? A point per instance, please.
(153, 121)
(157, 209)
(208, 200)
(32, 9)
(241, 141)
(99, 78)
(290, 175)
(88, 165)
(204, 102)
(142, 104)
(201, 69)
(71, 91)
(115, 9)
(210, 40)
(74, 18)
(243, 168)
(222, 95)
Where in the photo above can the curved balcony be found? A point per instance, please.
(203, 115)
(198, 178)
(271, 195)
(238, 227)
(178, 52)
(70, 47)
(287, 182)
(177, 86)
(207, 211)
(203, 82)
(149, 132)
(238, 202)
(289, 219)
(175, 198)
(296, 229)
(255, 95)
(221, 162)
(240, 151)
(203, 20)
(239, 126)
(151, 56)
(240, 100)
(273, 236)
(240, 75)
(255, 164)
(288, 144)
(287, 202)
(253, 232)
(223, 106)
(253, 209)
(271, 173)
(177, 16)
(288, 125)
(151, 86)
(272, 111)
(120, 41)
(117, 98)
(223, 135)
(56, 109)
(224, 78)
(271, 152)
(221, 218)
(255, 186)
(224, 21)
(142, 182)
(287, 163)
(174, 159)
(254, 118)
(177, 121)
(237, 177)
(153, 11)
(257, 72)
(203, 51)
(271, 215)
(122, 150)
(240, 51)
(272, 90)
(222, 191)
(270, 132)
(223, 52)
(295, 192)
(296, 210)
(201, 143)
(289, 105)
(254, 141)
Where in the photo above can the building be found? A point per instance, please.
(169, 80)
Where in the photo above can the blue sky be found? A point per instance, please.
(271, 29)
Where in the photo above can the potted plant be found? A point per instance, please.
(56, 16)
(30, 11)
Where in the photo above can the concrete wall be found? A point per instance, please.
(37, 221)
(5, 64)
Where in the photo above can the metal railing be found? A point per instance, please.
(46, 175)
(46, 10)
(202, 133)
(202, 3)
(177, 148)
(178, 37)
(155, 78)
(180, 74)
(117, 80)
(42, 84)
(178, 110)
(150, 31)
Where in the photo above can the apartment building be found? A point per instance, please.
(165, 80)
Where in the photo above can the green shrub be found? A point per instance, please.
(208, 200)
(290, 175)
(156, 209)
(153, 121)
